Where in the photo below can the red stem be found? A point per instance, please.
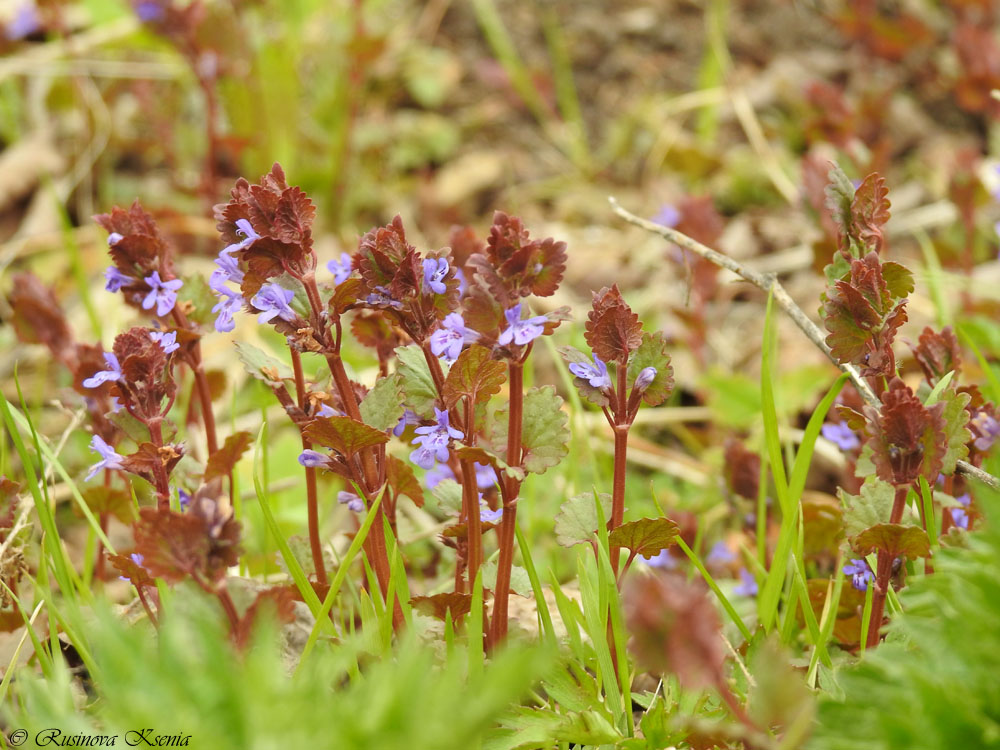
(620, 428)
(201, 383)
(501, 593)
(883, 573)
(312, 504)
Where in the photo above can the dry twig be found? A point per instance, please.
(770, 283)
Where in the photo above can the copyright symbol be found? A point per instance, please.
(17, 737)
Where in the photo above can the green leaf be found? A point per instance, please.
(196, 299)
(383, 406)
(955, 432)
(262, 365)
(544, 434)
(343, 434)
(574, 356)
(839, 197)
(115, 501)
(898, 279)
(576, 522)
(894, 539)
(419, 393)
(536, 727)
(646, 537)
(519, 582)
(873, 506)
(475, 375)
(652, 352)
(448, 493)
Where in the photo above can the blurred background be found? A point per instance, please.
(719, 118)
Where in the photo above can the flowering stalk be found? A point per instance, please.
(311, 495)
(511, 486)
(883, 572)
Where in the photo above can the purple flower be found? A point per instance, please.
(381, 298)
(409, 417)
(451, 337)
(110, 459)
(662, 559)
(435, 270)
(341, 269)
(861, 575)
(244, 228)
(25, 23)
(325, 410)
(668, 216)
(272, 300)
(116, 279)
(489, 516)
(167, 341)
(184, 499)
(229, 304)
(595, 374)
(114, 238)
(162, 294)
(116, 405)
(352, 501)
(313, 459)
(720, 554)
(840, 434)
(644, 379)
(228, 270)
(986, 429)
(462, 283)
(433, 441)
(438, 474)
(486, 477)
(964, 500)
(137, 559)
(960, 518)
(747, 585)
(112, 374)
(149, 11)
(520, 331)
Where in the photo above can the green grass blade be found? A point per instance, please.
(726, 605)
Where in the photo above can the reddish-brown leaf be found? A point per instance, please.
(893, 539)
(223, 461)
(278, 602)
(38, 318)
(908, 440)
(675, 629)
(870, 211)
(343, 434)
(937, 354)
(741, 468)
(475, 375)
(613, 331)
(440, 605)
(646, 537)
(403, 481)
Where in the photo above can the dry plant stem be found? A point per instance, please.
(145, 606)
(515, 380)
(769, 283)
(312, 503)
(883, 572)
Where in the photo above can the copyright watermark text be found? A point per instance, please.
(131, 738)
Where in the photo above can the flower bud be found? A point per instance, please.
(644, 379)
